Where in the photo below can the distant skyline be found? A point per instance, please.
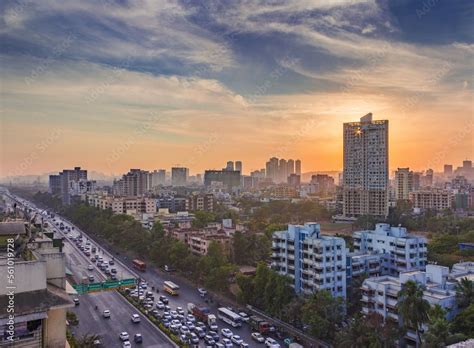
(152, 84)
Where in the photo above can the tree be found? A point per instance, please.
(464, 322)
(323, 313)
(412, 307)
(369, 331)
(202, 218)
(438, 328)
(465, 292)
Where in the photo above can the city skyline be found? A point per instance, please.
(78, 83)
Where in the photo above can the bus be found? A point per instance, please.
(140, 265)
(171, 288)
(229, 317)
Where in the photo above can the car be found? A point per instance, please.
(244, 316)
(160, 305)
(180, 310)
(214, 335)
(113, 270)
(106, 313)
(244, 345)
(219, 345)
(191, 318)
(111, 262)
(199, 331)
(202, 292)
(135, 318)
(126, 344)
(176, 323)
(174, 314)
(91, 278)
(193, 338)
(270, 342)
(209, 340)
(93, 260)
(164, 299)
(97, 343)
(167, 308)
(227, 343)
(190, 326)
(236, 339)
(113, 277)
(184, 330)
(227, 333)
(76, 302)
(184, 339)
(213, 327)
(257, 336)
(138, 338)
(90, 268)
(124, 336)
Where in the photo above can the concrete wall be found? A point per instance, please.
(55, 328)
(29, 276)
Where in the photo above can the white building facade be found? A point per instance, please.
(314, 262)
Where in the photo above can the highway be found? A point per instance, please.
(91, 320)
(77, 262)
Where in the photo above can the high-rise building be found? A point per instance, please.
(298, 167)
(272, 169)
(448, 169)
(179, 176)
(238, 167)
(323, 183)
(282, 170)
(230, 165)
(366, 167)
(294, 180)
(313, 261)
(204, 202)
(291, 167)
(135, 183)
(64, 179)
(230, 179)
(403, 183)
(158, 177)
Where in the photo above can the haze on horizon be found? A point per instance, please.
(110, 86)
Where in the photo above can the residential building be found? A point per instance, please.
(230, 179)
(40, 299)
(398, 250)
(313, 261)
(200, 244)
(64, 180)
(363, 263)
(380, 294)
(403, 183)
(323, 184)
(230, 165)
(135, 183)
(298, 167)
(172, 203)
(238, 167)
(283, 191)
(436, 199)
(203, 202)
(290, 167)
(294, 180)
(366, 168)
(271, 169)
(158, 177)
(179, 176)
(448, 169)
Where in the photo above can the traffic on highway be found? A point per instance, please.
(190, 313)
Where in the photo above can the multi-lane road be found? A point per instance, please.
(109, 329)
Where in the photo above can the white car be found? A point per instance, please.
(124, 336)
(202, 292)
(106, 313)
(160, 305)
(90, 268)
(135, 318)
(244, 316)
(126, 344)
(227, 333)
(227, 343)
(180, 310)
(271, 343)
(257, 336)
(236, 339)
(184, 330)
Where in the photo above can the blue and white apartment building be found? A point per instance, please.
(313, 261)
(397, 250)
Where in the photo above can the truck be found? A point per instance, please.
(259, 325)
(203, 314)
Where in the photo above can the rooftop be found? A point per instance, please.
(12, 228)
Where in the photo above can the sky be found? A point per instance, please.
(112, 85)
